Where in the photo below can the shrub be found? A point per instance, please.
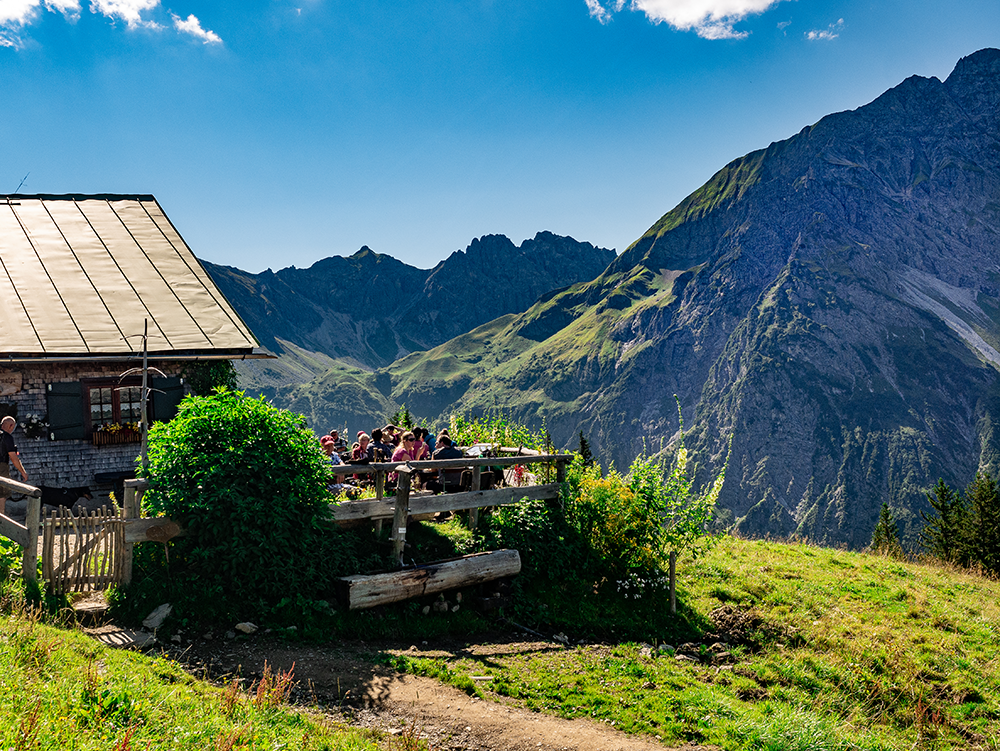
(496, 427)
(633, 522)
(249, 483)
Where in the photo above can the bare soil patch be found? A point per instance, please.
(342, 681)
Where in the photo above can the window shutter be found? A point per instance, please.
(65, 404)
(167, 394)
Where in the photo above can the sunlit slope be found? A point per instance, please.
(830, 302)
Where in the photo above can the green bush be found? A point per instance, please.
(248, 482)
(496, 427)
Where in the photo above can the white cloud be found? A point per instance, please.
(709, 19)
(129, 11)
(602, 14)
(16, 15)
(831, 32)
(23, 12)
(192, 26)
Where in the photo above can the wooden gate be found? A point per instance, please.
(83, 553)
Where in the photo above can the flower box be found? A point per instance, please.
(115, 437)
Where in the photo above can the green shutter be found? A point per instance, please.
(167, 394)
(65, 404)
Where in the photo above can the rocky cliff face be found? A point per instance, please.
(829, 302)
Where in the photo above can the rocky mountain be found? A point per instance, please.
(829, 303)
(369, 309)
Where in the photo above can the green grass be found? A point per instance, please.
(849, 651)
(62, 690)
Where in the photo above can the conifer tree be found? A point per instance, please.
(944, 534)
(885, 537)
(982, 527)
(586, 455)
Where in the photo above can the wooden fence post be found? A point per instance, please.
(477, 481)
(379, 492)
(402, 512)
(128, 508)
(29, 564)
(673, 582)
(560, 471)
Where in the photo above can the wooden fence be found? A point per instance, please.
(405, 503)
(81, 553)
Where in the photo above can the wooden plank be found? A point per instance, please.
(13, 531)
(29, 563)
(19, 487)
(360, 591)
(432, 504)
(348, 511)
(481, 461)
(158, 529)
(138, 483)
(353, 510)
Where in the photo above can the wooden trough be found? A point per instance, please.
(366, 591)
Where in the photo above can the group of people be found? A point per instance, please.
(390, 444)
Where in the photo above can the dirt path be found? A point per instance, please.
(348, 687)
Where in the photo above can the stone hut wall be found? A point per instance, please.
(67, 463)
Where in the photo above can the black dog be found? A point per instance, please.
(63, 496)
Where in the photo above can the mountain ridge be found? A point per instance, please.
(368, 309)
(829, 301)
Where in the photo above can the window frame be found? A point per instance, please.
(115, 384)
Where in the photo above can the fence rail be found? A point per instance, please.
(80, 553)
(25, 535)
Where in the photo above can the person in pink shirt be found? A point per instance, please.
(420, 450)
(404, 453)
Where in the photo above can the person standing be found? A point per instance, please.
(8, 456)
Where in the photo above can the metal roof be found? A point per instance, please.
(80, 274)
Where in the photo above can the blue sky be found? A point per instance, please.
(276, 133)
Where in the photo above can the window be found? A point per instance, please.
(112, 401)
(78, 409)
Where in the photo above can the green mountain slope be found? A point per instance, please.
(369, 309)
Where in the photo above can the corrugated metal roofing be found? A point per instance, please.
(79, 275)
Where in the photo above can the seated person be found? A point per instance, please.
(339, 485)
(339, 444)
(420, 450)
(391, 435)
(403, 453)
(447, 478)
(381, 451)
(363, 449)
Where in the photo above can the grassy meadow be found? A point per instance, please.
(830, 650)
(62, 690)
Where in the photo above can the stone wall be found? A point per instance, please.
(65, 463)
